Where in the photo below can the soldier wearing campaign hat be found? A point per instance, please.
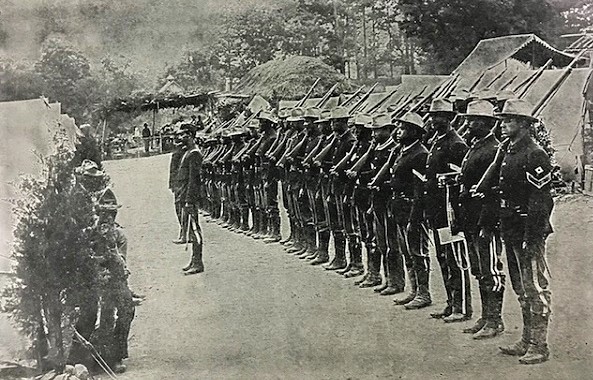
(445, 156)
(405, 210)
(478, 218)
(359, 176)
(384, 150)
(344, 142)
(522, 173)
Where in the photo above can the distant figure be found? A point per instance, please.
(146, 135)
(197, 122)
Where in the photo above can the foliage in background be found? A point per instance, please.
(449, 30)
(55, 270)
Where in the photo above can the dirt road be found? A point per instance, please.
(259, 313)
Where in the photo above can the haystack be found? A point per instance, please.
(291, 78)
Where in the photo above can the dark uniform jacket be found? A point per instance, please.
(476, 212)
(188, 177)
(445, 150)
(525, 181)
(266, 171)
(380, 156)
(361, 192)
(407, 188)
(343, 146)
(174, 166)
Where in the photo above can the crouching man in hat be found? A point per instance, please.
(187, 193)
(522, 173)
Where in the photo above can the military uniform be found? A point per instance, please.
(410, 230)
(526, 204)
(447, 149)
(479, 221)
(188, 193)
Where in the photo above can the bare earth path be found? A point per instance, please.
(259, 313)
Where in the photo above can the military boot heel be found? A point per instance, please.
(520, 348)
(538, 351)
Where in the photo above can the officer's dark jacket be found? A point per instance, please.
(476, 212)
(310, 146)
(268, 139)
(525, 181)
(407, 188)
(188, 177)
(361, 193)
(445, 150)
(344, 145)
(174, 166)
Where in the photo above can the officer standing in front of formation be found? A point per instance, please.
(405, 207)
(446, 152)
(479, 218)
(522, 172)
(176, 156)
(189, 182)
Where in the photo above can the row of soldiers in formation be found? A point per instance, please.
(390, 185)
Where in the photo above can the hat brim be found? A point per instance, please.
(295, 119)
(412, 125)
(478, 115)
(95, 174)
(453, 113)
(322, 121)
(374, 126)
(268, 119)
(507, 114)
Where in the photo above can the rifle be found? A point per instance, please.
(350, 99)
(385, 168)
(307, 95)
(507, 84)
(340, 165)
(437, 93)
(321, 155)
(290, 153)
(539, 107)
(381, 102)
(531, 80)
(362, 100)
(362, 160)
(326, 97)
(497, 77)
(415, 107)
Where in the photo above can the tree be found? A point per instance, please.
(197, 69)
(65, 72)
(449, 30)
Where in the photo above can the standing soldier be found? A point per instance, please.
(321, 174)
(269, 214)
(447, 149)
(345, 141)
(522, 173)
(178, 153)
(382, 127)
(479, 219)
(405, 208)
(359, 174)
(188, 192)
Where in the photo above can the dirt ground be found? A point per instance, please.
(260, 313)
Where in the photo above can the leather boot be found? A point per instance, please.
(274, 229)
(256, 224)
(196, 264)
(421, 300)
(322, 253)
(244, 219)
(538, 351)
(339, 261)
(310, 239)
(313, 255)
(413, 289)
(520, 348)
(362, 279)
(494, 325)
(263, 226)
(481, 322)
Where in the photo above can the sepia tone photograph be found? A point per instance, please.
(296, 189)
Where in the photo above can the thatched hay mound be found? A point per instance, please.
(291, 78)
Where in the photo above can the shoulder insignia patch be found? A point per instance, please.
(539, 182)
